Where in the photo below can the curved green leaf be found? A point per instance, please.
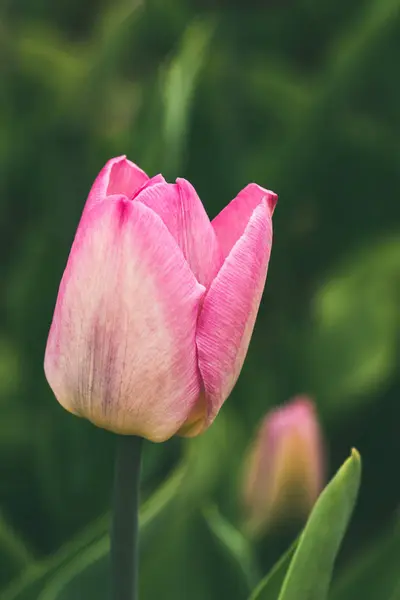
(14, 555)
(84, 561)
(45, 580)
(236, 546)
(180, 79)
(310, 571)
(270, 586)
(174, 541)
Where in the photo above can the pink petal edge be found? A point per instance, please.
(118, 176)
(231, 222)
(230, 308)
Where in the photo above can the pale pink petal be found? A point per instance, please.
(285, 469)
(183, 213)
(296, 421)
(231, 222)
(230, 308)
(118, 176)
(298, 418)
(121, 350)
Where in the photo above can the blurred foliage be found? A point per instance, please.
(361, 578)
(301, 97)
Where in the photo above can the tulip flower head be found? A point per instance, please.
(285, 467)
(157, 304)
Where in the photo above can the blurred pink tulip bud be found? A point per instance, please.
(157, 304)
(285, 469)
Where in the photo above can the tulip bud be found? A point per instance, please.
(285, 469)
(157, 304)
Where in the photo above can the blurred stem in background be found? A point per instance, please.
(125, 527)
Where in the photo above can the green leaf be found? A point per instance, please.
(167, 524)
(47, 579)
(179, 82)
(31, 582)
(179, 542)
(87, 575)
(235, 545)
(174, 541)
(310, 571)
(270, 586)
(375, 573)
(14, 555)
(190, 562)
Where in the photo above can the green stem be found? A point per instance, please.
(125, 534)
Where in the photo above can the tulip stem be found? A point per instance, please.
(125, 526)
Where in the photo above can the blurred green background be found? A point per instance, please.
(300, 96)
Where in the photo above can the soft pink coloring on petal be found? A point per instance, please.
(298, 422)
(285, 470)
(183, 213)
(231, 222)
(121, 350)
(229, 310)
(118, 176)
(125, 178)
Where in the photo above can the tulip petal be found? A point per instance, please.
(230, 308)
(121, 350)
(183, 213)
(118, 176)
(152, 181)
(285, 465)
(231, 222)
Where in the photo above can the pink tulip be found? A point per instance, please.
(157, 305)
(285, 467)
